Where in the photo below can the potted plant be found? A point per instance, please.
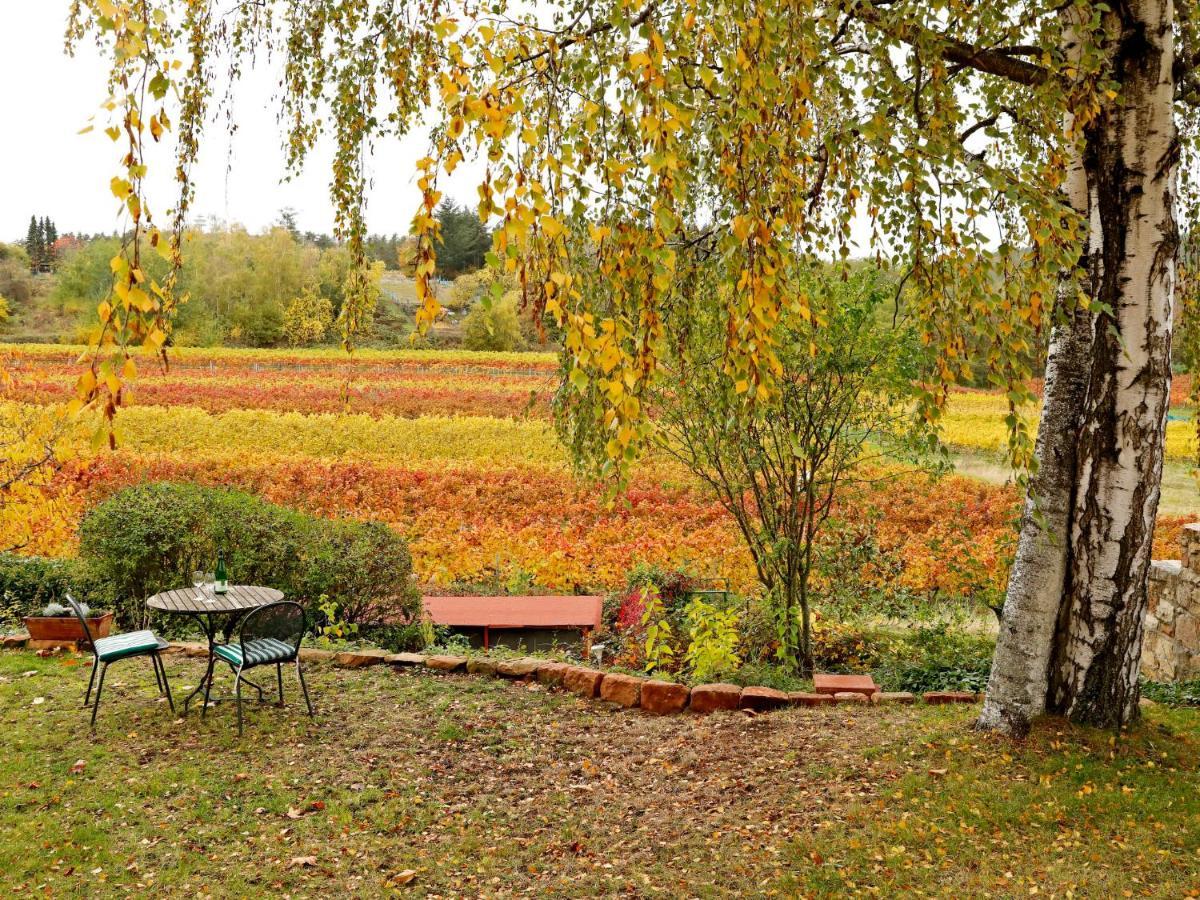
(58, 624)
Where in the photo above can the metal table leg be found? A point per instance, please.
(210, 632)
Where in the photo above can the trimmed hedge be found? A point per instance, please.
(151, 537)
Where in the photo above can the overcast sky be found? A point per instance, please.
(49, 169)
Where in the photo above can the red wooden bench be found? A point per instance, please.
(565, 613)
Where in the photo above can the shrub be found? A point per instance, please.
(307, 319)
(929, 658)
(660, 638)
(29, 583)
(364, 567)
(936, 658)
(713, 640)
(494, 326)
(1179, 693)
(151, 537)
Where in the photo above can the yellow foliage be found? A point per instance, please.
(974, 420)
(440, 439)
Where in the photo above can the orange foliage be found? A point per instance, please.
(479, 523)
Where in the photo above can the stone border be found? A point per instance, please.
(617, 688)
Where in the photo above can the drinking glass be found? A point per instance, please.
(203, 582)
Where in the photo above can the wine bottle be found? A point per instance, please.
(220, 575)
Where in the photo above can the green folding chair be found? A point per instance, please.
(108, 650)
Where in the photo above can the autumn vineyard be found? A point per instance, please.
(454, 451)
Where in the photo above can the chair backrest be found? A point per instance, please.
(87, 632)
(284, 621)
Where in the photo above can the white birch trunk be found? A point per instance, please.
(1071, 635)
(1020, 674)
(1132, 166)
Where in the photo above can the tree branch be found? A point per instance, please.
(1004, 62)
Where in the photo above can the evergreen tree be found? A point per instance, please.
(34, 244)
(287, 219)
(465, 240)
(49, 237)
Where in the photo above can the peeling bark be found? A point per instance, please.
(1020, 675)
(1132, 160)
(1071, 636)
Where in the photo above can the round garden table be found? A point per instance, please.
(214, 612)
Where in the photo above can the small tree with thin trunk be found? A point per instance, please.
(778, 464)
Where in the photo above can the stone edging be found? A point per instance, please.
(628, 691)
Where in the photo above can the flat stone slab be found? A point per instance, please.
(762, 699)
(309, 654)
(406, 659)
(188, 648)
(894, 697)
(834, 684)
(664, 697)
(707, 698)
(552, 672)
(50, 645)
(13, 641)
(624, 690)
(446, 663)
(850, 697)
(517, 668)
(583, 681)
(481, 665)
(804, 698)
(939, 697)
(358, 659)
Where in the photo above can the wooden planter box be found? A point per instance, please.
(64, 630)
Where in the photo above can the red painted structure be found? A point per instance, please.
(564, 613)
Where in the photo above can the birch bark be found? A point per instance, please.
(1071, 635)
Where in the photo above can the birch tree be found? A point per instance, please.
(1015, 164)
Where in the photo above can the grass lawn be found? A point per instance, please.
(461, 785)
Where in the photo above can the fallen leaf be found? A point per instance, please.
(317, 805)
(299, 862)
(79, 766)
(38, 701)
(406, 876)
(294, 813)
(939, 771)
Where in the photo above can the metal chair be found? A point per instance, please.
(107, 650)
(269, 635)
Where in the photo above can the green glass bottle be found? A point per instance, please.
(220, 575)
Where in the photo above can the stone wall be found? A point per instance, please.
(1171, 648)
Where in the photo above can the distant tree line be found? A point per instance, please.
(285, 286)
(465, 241)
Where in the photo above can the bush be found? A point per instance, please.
(937, 658)
(495, 326)
(150, 538)
(1178, 693)
(924, 658)
(365, 567)
(30, 583)
(307, 319)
